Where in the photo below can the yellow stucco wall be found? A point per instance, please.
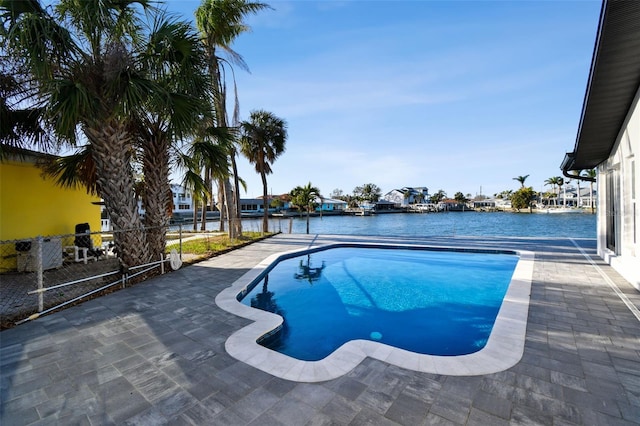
(32, 206)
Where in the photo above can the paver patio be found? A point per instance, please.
(154, 354)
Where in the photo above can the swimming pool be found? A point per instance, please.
(490, 345)
(418, 300)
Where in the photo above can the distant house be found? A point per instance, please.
(484, 204)
(32, 205)
(451, 205)
(407, 195)
(182, 200)
(251, 205)
(569, 196)
(608, 136)
(330, 205)
(384, 205)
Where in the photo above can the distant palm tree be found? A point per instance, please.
(554, 182)
(262, 141)
(202, 154)
(521, 179)
(438, 196)
(304, 197)
(577, 173)
(591, 173)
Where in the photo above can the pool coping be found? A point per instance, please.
(503, 350)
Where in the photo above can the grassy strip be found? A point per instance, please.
(209, 246)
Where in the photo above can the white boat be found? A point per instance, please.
(556, 210)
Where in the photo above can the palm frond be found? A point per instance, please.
(73, 171)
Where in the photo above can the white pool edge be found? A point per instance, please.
(503, 350)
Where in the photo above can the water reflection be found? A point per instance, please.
(307, 272)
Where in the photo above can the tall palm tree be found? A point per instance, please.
(521, 179)
(82, 62)
(174, 59)
(263, 140)
(305, 197)
(220, 23)
(591, 173)
(97, 70)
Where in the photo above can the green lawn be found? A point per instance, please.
(208, 246)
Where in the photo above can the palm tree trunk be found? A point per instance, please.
(236, 193)
(221, 206)
(195, 214)
(156, 198)
(112, 154)
(265, 217)
(230, 207)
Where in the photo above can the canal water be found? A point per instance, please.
(575, 225)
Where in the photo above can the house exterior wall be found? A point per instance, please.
(397, 197)
(31, 205)
(618, 201)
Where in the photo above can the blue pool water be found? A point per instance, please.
(424, 301)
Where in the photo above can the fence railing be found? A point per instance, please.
(42, 274)
(45, 273)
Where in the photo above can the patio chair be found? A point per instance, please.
(83, 245)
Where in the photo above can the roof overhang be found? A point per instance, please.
(614, 80)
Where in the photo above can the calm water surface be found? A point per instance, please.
(440, 224)
(418, 300)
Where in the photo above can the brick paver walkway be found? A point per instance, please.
(154, 354)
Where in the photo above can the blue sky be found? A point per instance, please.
(453, 95)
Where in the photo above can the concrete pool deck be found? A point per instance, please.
(155, 354)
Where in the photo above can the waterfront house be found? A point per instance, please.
(182, 200)
(386, 206)
(486, 204)
(608, 137)
(407, 195)
(330, 205)
(252, 206)
(451, 205)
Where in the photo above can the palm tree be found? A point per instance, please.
(553, 181)
(263, 140)
(591, 173)
(521, 179)
(85, 77)
(560, 182)
(438, 196)
(577, 173)
(97, 69)
(19, 126)
(221, 22)
(173, 58)
(304, 197)
(203, 154)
